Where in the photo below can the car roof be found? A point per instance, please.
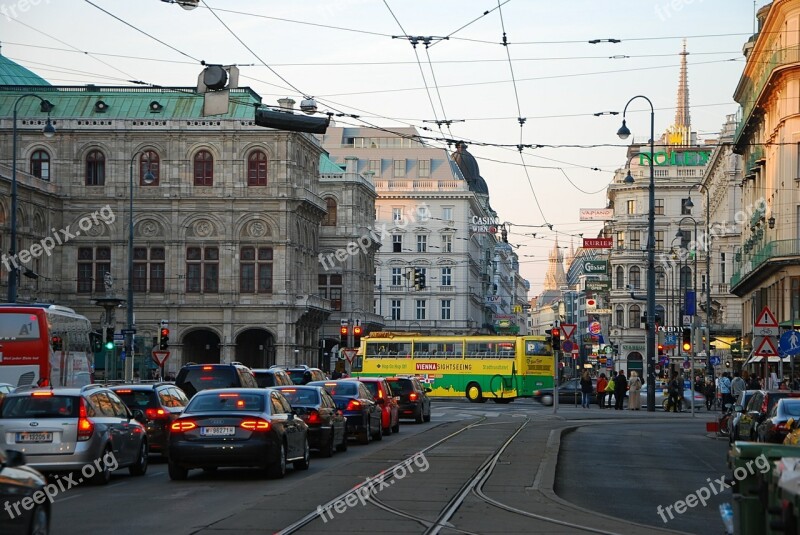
(308, 386)
(267, 370)
(213, 391)
(139, 386)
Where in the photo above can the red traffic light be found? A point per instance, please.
(343, 331)
(164, 332)
(357, 330)
(555, 333)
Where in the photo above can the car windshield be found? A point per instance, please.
(341, 389)
(136, 399)
(40, 407)
(265, 379)
(224, 401)
(205, 377)
(301, 396)
(400, 386)
(372, 387)
(791, 407)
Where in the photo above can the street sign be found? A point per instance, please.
(128, 331)
(568, 329)
(714, 360)
(766, 331)
(690, 303)
(566, 346)
(790, 343)
(765, 347)
(766, 319)
(687, 320)
(350, 353)
(160, 357)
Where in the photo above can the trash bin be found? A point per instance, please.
(750, 482)
(785, 483)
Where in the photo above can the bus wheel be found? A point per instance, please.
(474, 393)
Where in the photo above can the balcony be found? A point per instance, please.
(774, 252)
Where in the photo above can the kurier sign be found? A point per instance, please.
(595, 267)
(596, 214)
(598, 243)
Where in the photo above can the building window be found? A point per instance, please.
(659, 235)
(620, 239)
(202, 270)
(149, 161)
(795, 312)
(686, 237)
(40, 164)
(631, 207)
(422, 243)
(658, 207)
(661, 277)
(330, 287)
(620, 278)
(148, 265)
(395, 307)
(93, 265)
(446, 308)
(722, 266)
(397, 276)
(447, 213)
(95, 168)
(685, 210)
(447, 276)
(203, 169)
(255, 270)
(619, 320)
(424, 168)
(399, 169)
(257, 169)
(635, 243)
(330, 218)
(447, 243)
(375, 167)
(634, 317)
(421, 308)
(635, 277)
(397, 215)
(397, 243)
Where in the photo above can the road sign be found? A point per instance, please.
(687, 320)
(128, 331)
(765, 347)
(350, 353)
(766, 331)
(790, 343)
(714, 360)
(566, 346)
(569, 330)
(766, 319)
(160, 357)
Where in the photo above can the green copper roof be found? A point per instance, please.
(15, 74)
(327, 167)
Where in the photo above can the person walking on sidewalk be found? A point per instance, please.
(620, 389)
(710, 393)
(610, 389)
(586, 389)
(602, 382)
(738, 385)
(634, 389)
(674, 390)
(725, 390)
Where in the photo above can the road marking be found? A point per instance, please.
(67, 498)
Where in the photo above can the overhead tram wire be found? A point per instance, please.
(473, 21)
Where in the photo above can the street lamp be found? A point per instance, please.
(679, 234)
(623, 133)
(48, 131)
(148, 178)
(690, 204)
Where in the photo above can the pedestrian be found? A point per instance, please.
(725, 390)
(634, 387)
(602, 382)
(738, 385)
(620, 389)
(710, 392)
(610, 389)
(674, 394)
(755, 384)
(586, 389)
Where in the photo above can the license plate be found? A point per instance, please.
(34, 437)
(217, 431)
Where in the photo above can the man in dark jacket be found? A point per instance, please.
(620, 389)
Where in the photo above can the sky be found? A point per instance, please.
(357, 57)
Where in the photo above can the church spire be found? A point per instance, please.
(555, 277)
(682, 118)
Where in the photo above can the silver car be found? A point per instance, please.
(68, 429)
(662, 396)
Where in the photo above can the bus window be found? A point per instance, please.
(437, 349)
(535, 347)
(20, 326)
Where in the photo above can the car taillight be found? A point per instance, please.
(156, 414)
(179, 426)
(413, 396)
(380, 394)
(312, 417)
(255, 424)
(85, 426)
(353, 405)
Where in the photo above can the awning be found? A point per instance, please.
(790, 324)
(757, 359)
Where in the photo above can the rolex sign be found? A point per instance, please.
(595, 267)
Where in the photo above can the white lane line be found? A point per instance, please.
(67, 498)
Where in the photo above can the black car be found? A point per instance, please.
(270, 377)
(413, 398)
(327, 425)
(744, 398)
(238, 427)
(775, 427)
(756, 411)
(194, 378)
(19, 482)
(364, 415)
(161, 404)
(302, 375)
(568, 393)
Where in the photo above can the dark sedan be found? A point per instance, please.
(568, 393)
(755, 412)
(413, 400)
(362, 412)
(327, 425)
(774, 428)
(20, 488)
(238, 427)
(161, 404)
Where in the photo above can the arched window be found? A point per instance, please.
(634, 317)
(203, 169)
(620, 278)
(148, 161)
(330, 218)
(257, 169)
(40, 164)
(635, 277)
(619, 320)
(95, 168)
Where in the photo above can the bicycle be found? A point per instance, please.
(724, 424)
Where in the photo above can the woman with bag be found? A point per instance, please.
(634, 389)
(610, 387)
(601, 389)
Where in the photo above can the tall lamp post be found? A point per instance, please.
(694, 315)
(707, 242)
(48, 131)
(147, 178)
(624, 133)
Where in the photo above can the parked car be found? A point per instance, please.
(302, 375)
(387, 401)
(161, 404)
(65, 429)
(756, 411)
(662, 398)
(270, 377)
(364, 416)
(775, 426)
(238, 427)
(327, 425)
(413, 401)
(18, 481)
(194, 378)
(744, 398)
(569, 392)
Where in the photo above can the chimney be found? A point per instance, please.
(287, 103)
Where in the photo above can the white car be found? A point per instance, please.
(662, 396)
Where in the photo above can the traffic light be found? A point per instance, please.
(343, 332)
(660, 349)
(419, 279)
(97, 341)
(555, 338)
(57, 343)
(357, 331)
(163, 341)
(687, 340)
(109, 338)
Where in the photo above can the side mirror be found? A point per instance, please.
(14, 458)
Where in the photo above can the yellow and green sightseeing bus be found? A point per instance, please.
(501, 368)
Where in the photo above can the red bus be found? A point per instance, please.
(45, 345)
